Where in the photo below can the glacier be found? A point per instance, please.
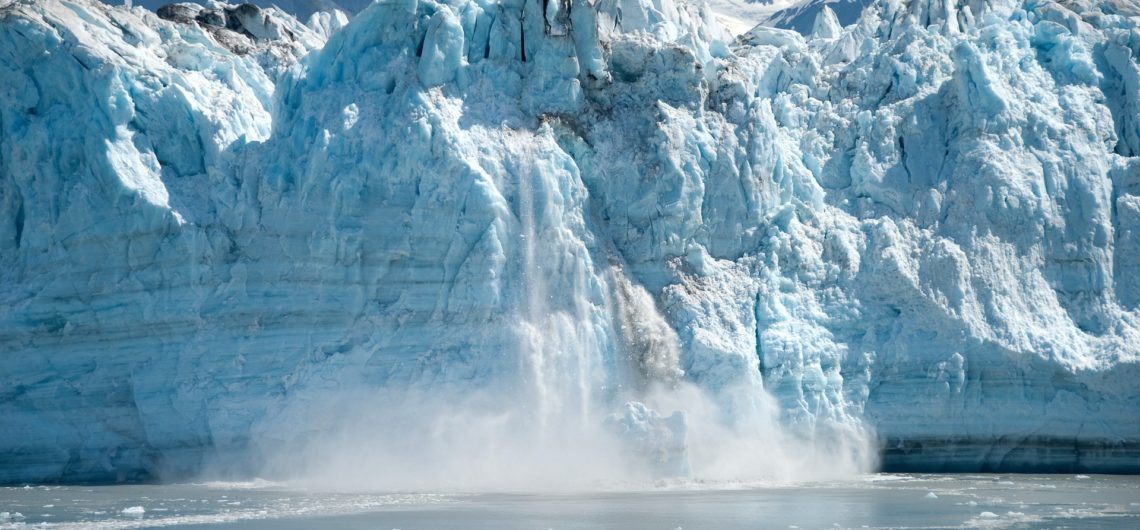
(226, 234)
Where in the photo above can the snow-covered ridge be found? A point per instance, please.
(926, 225)
(802, 15)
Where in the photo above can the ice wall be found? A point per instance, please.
(123, 348)
(922, 225)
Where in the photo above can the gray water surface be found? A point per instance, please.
(874, 501)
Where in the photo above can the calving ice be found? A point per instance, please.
(494, 243)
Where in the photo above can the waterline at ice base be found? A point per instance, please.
(504, 245)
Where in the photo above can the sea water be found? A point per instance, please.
(873, 501)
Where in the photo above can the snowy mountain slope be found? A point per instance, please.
(802, 15)
(302, 10)
(740, 16)
(922, 226)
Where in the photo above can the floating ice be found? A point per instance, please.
(134, 511)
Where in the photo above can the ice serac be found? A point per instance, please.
(923, 225)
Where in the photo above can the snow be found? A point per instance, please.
(919, 228)
(740, 16)
(802, 16)
(303, 10)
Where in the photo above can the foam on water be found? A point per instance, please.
(156, 512)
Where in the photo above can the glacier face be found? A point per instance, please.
(215, 244)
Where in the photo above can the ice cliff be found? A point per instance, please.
(220, 226)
